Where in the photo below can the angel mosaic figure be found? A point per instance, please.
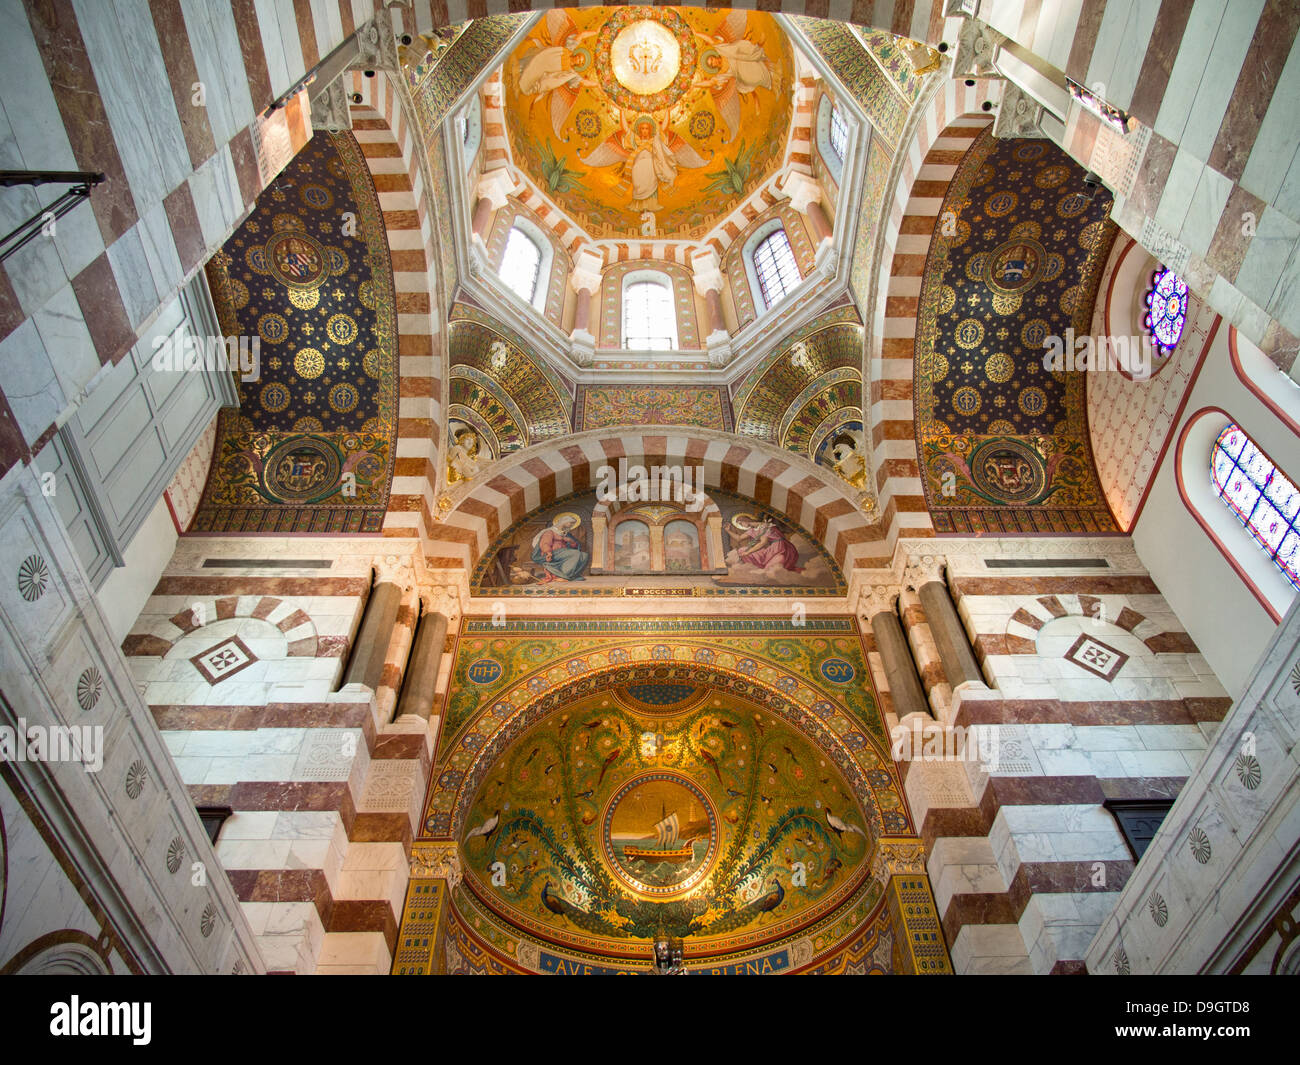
(746, 68)
(465, 457)
(549, 73)
(849, 457)
(651, 155)
(761, 543)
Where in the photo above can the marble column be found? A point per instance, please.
(900, 670)
(707, 274)
(370, 650)
(585, 280)
(928, 664)
(949, 635)
(493, 191)
(820, 224)
(421, 680)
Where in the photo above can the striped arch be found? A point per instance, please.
(943, 132)
(392, 150)
(298, 628)
(1024, 625)
(805, 494)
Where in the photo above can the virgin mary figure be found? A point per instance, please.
(559, 552)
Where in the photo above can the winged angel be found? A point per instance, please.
(745, 69)
(650, 154)
(548, 72)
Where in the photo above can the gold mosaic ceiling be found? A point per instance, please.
(643, 121)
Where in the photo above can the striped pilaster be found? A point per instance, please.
(392, 149)
(944, 132)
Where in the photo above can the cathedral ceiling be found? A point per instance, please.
(1003, 441)
(311, 447)
(659, 117)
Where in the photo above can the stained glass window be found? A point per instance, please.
(1260, 495)
(778, 273)
(839, 133)
(1166, 310)
(649, 323)
(520, 263)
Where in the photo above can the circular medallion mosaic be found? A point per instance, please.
(1051, 176)
(317, 196)
(1014, 266)
(1009, 470)
(1033, 401)
(646, 58)
(999, 368)
(309, 363)
(296, 260)
(1033, 334)
(274, 397)
(660, 834)
(344, 397)
(1001, 203)
(341, 329)
(272, 328)
(966, 401)
(969, 332)
(301, 470)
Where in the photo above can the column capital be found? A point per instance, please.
(706, 271)
(802, 190)
(921, 569)
(496, 187)
(877, 599)
(439, 861)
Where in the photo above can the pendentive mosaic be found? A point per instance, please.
(311, 446)
(1003, 440)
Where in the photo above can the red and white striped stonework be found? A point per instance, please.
(1025, 861)
(948, 125)
(326, 792)
(805, 494)
(177, 182)
(392, 148)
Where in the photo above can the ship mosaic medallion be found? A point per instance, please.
(660, 834)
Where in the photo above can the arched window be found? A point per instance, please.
(1166, 310)
(649, 318)
(1260, 496)
(839, 133)
(777, 272)
(521, 265)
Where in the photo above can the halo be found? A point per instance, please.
(751, 519)
(568, 517)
